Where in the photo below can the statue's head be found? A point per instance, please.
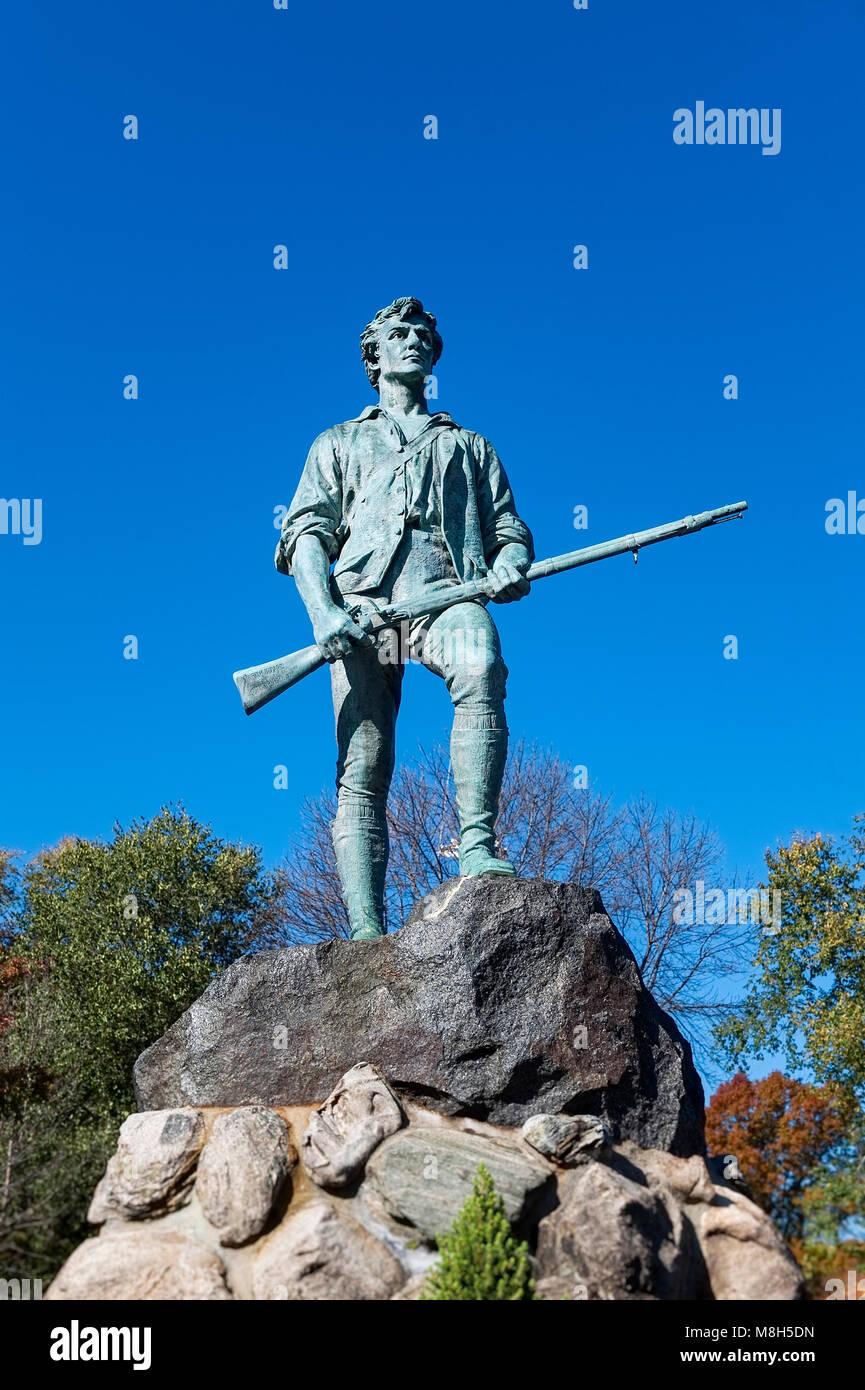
(401, 341)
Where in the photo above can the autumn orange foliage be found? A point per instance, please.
(779, 1130)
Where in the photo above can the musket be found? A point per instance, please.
(258, 685)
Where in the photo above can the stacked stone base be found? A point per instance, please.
(346, 1201)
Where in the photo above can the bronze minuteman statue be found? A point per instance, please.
(403, 527)
(399, 500)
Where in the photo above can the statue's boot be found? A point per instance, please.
(479, 749)
(360, 842)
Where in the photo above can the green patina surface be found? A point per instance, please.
(391, 503)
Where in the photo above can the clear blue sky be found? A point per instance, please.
(600, 387)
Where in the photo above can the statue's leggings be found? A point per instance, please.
(462, 646)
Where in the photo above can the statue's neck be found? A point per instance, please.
(402, 399)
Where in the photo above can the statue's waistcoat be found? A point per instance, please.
(363, 485)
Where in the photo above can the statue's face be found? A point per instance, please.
(405, 349)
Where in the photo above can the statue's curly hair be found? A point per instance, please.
(400, 309)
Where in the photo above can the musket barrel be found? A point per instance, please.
(434, 602)
(634, 542)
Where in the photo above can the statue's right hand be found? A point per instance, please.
(336, 634)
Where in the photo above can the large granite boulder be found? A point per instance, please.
(500, 998)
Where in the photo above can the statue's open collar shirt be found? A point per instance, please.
(363, 483)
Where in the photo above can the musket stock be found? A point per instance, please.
(258, 685)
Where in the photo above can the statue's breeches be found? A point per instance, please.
(461, 645)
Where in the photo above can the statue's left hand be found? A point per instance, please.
(505, 580)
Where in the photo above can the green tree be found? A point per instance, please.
(481, 1259)
(807, 1001)
(808, 997)
(133, 929)
(108, 944)
(10, 883)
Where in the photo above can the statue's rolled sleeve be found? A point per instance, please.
(316, 508)
(500, 524)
